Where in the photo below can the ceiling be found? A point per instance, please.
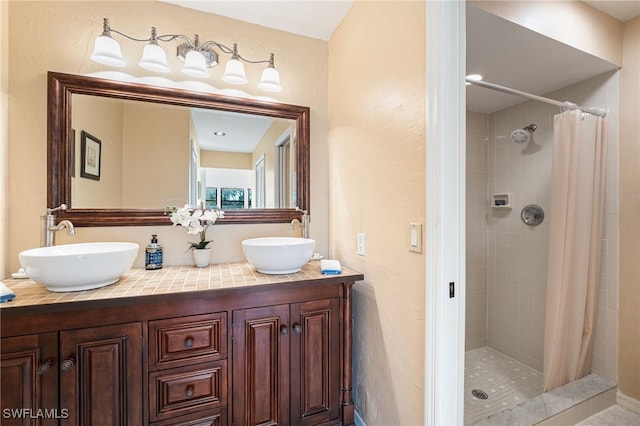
(503, 52)
(311, 18)
(622, 10)
(241, 132)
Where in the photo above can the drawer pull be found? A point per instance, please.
(189, 392)
(67, 364)
(284, 330)
(297, 328)
(188, 342)
(44, 367)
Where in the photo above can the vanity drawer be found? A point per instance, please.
(204, 418)
(181, 391)
(193, 339)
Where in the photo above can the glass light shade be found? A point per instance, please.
(106, 51)
(195, 64)
(270, 80)
(154, 59)
(234, 72)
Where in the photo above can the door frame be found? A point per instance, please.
(445, 212)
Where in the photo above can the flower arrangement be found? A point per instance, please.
(197, 221)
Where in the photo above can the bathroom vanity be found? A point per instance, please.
(219, 345)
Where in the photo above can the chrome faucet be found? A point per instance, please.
(304, 225)
(49, 227)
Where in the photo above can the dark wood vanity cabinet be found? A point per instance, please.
(28, 377)
(90, 376)
(287, 364)
(273, 354)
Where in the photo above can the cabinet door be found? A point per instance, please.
(261, 366)
(29, 380)
(315, 361)
(101, 375)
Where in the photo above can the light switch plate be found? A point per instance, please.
(415, 237)
(362, 244)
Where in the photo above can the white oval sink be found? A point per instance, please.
(82, 266)
(278, 255)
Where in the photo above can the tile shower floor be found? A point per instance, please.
(506, 382)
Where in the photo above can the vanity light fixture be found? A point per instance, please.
(197, 57)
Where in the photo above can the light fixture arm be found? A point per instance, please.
(269, 61)
(234, 52)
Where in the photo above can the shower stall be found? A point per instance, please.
(509, 165)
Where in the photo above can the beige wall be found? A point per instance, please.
(102, 119)
(226, 160)
(156, 156)
(571, 22)
(69, 29)
(145, 154)
(476, 230)
(377, 170)
(4, 132)
(267, 148)
(629, 297)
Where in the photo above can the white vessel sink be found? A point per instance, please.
(278, 255)
(83, 266)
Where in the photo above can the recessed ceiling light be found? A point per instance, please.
(219, 133)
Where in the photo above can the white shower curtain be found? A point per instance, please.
(575, 239)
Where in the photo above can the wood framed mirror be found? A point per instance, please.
(65, 183)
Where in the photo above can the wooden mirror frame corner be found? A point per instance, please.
(61, 87)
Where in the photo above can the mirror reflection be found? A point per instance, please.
(145, 155)
(120, 152)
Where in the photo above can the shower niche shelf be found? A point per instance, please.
(501, 201)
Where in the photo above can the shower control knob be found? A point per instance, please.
(532, 215)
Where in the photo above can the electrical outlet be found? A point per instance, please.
(362, 244)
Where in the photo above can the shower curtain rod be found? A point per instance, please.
(565, 105)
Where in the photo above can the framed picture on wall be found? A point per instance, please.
(90, 156)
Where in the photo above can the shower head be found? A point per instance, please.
(520, 136)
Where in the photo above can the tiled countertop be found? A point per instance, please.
(170, 279)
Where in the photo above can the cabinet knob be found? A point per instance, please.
(44, 367)
(284, 330)
(189, 392)
(67, 364)
(297, 328)
(188, 342)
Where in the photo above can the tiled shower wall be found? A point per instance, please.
(516, 253)
(476, 234)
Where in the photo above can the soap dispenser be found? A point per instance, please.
(153, 257)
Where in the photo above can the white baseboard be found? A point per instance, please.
(626, 402)
(358, 419)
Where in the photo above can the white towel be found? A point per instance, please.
(331, 267)
(5, 293)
